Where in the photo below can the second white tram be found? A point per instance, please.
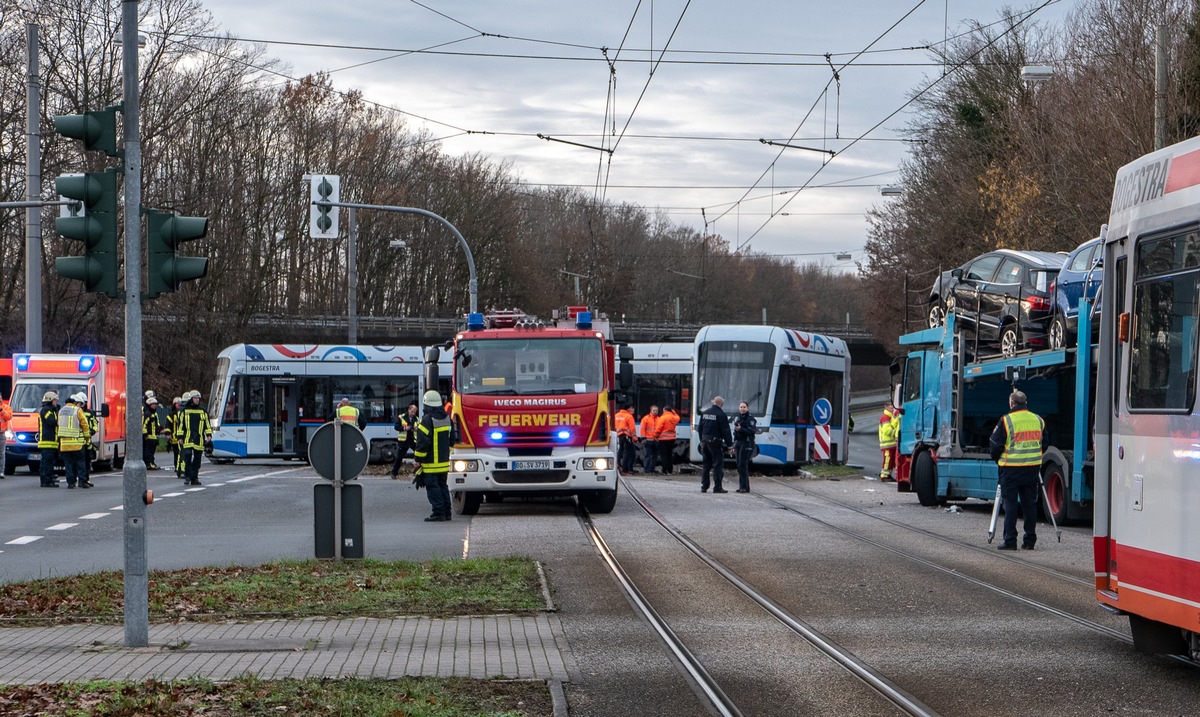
(266, 400)
(662, 376)
(1147, 536)
(797, 385)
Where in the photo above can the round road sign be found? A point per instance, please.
(355, 451)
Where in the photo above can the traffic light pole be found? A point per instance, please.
(137, 598)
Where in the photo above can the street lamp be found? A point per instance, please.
(891, 190)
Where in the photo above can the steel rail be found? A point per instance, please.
(702, 683)
(871, 677)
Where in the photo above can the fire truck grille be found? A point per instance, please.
(514, 477)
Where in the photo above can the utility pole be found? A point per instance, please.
(33, 191)
(352, 279)
(1160, 87)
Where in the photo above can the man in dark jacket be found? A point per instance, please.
(406, 426)
(714, 441)
(433, 455)
(745, 426)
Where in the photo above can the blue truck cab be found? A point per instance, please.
(952, 399)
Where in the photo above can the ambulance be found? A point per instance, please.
(100, 378)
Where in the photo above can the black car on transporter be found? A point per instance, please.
(1005, 296)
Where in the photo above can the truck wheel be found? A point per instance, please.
(599, 501)
(1058, 488)
(466, 503)
(924, 479)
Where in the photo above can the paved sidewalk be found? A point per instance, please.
(512, 647)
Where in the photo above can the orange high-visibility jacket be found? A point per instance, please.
(649, 427)
(626, 426)
(666, 425)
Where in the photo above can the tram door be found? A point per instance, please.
(283, 418)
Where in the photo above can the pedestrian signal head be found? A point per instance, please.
(432, 398)
(49, 396)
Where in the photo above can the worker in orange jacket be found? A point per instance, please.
(666, 438)
(626, 435)
(650, 439)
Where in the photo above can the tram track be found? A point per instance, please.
(706, 688)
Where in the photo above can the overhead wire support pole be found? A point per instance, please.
(33, 187)
(473, 287)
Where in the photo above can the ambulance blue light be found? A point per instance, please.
(86, 363)
(496, 436)
(21, 362)
(564, 435)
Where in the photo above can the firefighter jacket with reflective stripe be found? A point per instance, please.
(626, 426)
(666, 425)
(889, 428)
(150, 424)
(649, 427)
(72, 431)
(173, 419)
(48, 426)
(192, 428)
(1022, 439)
(433, 441)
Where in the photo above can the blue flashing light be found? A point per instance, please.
(86, 364)
(21, 362)
(496, 436)
(583, 320)
(564, 435)
(475, 322)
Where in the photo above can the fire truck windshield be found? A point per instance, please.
(529, 367)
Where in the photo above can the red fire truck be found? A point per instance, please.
(534, 410)
(100, 378)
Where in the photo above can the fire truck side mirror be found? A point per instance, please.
(104, 412)
(625, 373)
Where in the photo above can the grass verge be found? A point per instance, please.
(246, 696)
(818, 470)
(286, 590)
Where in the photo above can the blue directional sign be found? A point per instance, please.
(822, 411)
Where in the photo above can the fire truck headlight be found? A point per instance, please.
(465, 466)
(8, 434)
(563, 435)
(496, 436)
(594, 464)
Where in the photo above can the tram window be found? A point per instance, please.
(256, 398)
(314, 399)
(232, 412)
(1162, 374)
(827, 385)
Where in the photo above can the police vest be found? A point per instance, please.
(1023, 445)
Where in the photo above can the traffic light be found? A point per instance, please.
(323, 221)
(99, 266)
(165, 231)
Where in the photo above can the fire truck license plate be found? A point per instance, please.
(531, 465)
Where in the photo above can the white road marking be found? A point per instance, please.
(193, 490)
(215, 485)
(24, 539)
(117, 507)
(93, 516)
(169, 495)
(264, 475)
(62, 526)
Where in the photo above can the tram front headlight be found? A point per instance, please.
(594, 464)
(461, 466)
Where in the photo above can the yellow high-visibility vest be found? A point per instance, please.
(1023, 444)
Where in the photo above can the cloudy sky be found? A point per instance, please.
(678, 91)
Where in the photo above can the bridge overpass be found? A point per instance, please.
(865, 349)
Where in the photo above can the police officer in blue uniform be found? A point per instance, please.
(745, 426)
(714, 441)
